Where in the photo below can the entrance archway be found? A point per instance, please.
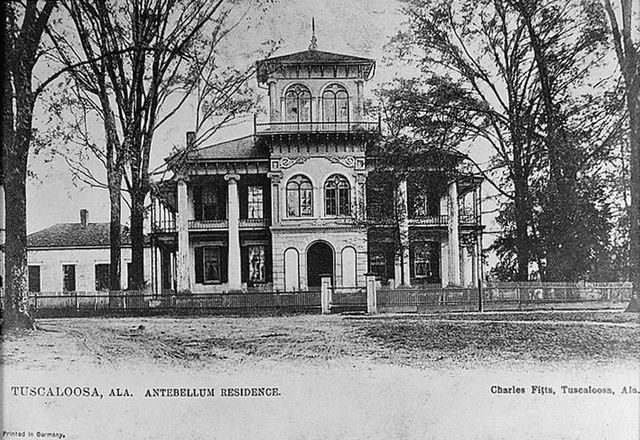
(319, 262)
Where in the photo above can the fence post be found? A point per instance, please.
(325, 293)
(75, 294)
(480, 304)
(372, 302)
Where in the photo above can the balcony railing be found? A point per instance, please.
(317, 127)
(223, 224)
(254, 223)
(429, 220)
(208, 225)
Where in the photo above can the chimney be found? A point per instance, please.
(191, 140)
(84, 217)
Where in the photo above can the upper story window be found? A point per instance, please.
(208, 203)
(299, 197)
(254, 202)
(335, 104)
(297, 103)
(337, 196)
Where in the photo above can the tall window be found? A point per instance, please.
(69, 277)
(208, 264)
(102, 276)
(211, 261)
(337, 196)
(254, 200)
(208, 204)
(335, 104)
(34, 278)
(299, 197)
(297, 103)
(256, 263)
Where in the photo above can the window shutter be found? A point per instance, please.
(267, 264)
(224, 256)
(199, 265)
(197, 204)
(243, 195)
(222, 201)
(244, 264)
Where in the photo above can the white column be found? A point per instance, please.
(183, 282)
(454, 240)
(233, 263)
(403, 224)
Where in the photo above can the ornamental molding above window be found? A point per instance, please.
(348, 161)
(286, 162)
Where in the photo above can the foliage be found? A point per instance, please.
(522, 68)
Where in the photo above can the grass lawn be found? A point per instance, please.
(339, 377)
(420, 341)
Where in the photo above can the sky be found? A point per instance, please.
(355, 27)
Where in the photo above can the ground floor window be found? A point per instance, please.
(209, 264)
(69, 277)
(102, 276)
(34, 278)
(426, 261)
(256, 263)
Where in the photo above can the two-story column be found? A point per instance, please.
(403, 226)
(454, 238)
(183, 282)
(233, 263)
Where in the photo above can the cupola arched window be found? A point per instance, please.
(299, 197)
(337, 196)
(297, 104)
(335, 104)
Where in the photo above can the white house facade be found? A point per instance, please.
(275, 210)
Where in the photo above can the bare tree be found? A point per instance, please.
(23, 29)
(629, 62)
(157, 58)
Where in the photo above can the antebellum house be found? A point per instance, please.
(277, 209)
(69, 257)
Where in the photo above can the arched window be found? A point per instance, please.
(299, 197)
(335, 104)
(337, 196)
(297, 104)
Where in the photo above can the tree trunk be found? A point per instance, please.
(115, 181)
(137, 240)
(16, 291)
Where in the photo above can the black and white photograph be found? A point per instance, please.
(330, 219)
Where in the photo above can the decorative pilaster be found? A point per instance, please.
(454, 239)
(359, 110)
(275, 178)
(183, 282)
(361, 195)
(273, 102)
(233, 263)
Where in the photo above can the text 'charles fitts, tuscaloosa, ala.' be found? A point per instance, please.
(544, 390)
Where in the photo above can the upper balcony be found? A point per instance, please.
(277, 128)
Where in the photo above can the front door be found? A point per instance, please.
(319, 262)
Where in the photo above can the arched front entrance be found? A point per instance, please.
(319, 262)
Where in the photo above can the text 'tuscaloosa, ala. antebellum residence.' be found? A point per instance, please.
(275, 210)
